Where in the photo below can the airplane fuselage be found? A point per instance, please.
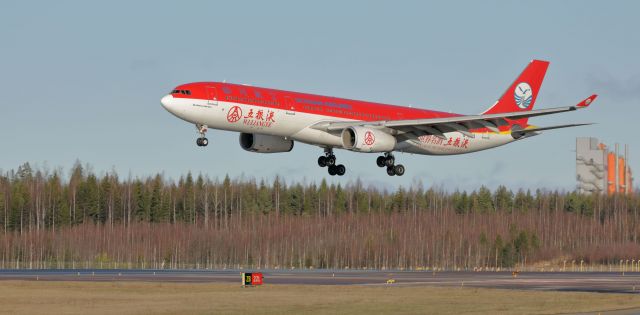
(292, 115)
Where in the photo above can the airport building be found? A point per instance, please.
(601, 170)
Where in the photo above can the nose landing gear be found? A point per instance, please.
(202, 141)
(329, 160)
(388, 160)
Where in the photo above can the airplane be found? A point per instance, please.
(271, 121)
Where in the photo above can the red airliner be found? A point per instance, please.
(270, 121)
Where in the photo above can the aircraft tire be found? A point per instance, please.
(390, 171)
(340, 170)
(322, 161)
(331, 160)
(389, 160)
(399, 169)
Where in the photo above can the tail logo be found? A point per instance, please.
(523, 95)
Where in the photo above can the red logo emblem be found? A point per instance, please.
(369, 138)
(235, 113)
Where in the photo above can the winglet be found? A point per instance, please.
(586, 102)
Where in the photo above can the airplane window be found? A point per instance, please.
(175, 92)
(188, 92)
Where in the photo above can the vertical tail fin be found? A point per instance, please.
(522, 93)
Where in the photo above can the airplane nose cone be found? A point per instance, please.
(166, 101)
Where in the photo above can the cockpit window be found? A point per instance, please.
(184, 92)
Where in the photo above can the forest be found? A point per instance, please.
(80, 219)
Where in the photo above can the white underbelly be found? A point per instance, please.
(296, 126)
(256, 119)
(455, 143)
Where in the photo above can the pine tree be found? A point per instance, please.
(264, 198)
(340, 200)
(156, 209)
(142, 202)
(89, 199)
(485, 200)
(503, 199)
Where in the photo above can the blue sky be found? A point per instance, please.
(83, 80)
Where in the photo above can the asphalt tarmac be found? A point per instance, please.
(606, 282)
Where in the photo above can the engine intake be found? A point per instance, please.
(264, 143)
(364, 139)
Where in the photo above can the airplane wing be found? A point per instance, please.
(462, 124)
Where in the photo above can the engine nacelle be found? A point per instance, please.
(515, 134)
(364, 139)
(264, 143)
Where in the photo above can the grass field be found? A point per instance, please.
(41, 297)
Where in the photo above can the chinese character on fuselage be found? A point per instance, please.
(270, 116)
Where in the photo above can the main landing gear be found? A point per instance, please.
(389, 161)
(202, 141)
(329, 160)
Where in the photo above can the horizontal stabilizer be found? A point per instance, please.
(535, 129)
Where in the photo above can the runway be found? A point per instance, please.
(545, 281)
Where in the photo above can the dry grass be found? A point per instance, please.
(39, 297)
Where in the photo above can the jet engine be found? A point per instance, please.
(365, 139)
(516, 132)
(264, 143)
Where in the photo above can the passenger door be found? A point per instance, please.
(212, 95)
(289, 106)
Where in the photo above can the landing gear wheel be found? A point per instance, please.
(390, 171)
(340, 170)
(398, 169)
(389, 160)
(331, 160)
(322, 161)
(202, 141)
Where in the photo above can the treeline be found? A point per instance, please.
(52, 219)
